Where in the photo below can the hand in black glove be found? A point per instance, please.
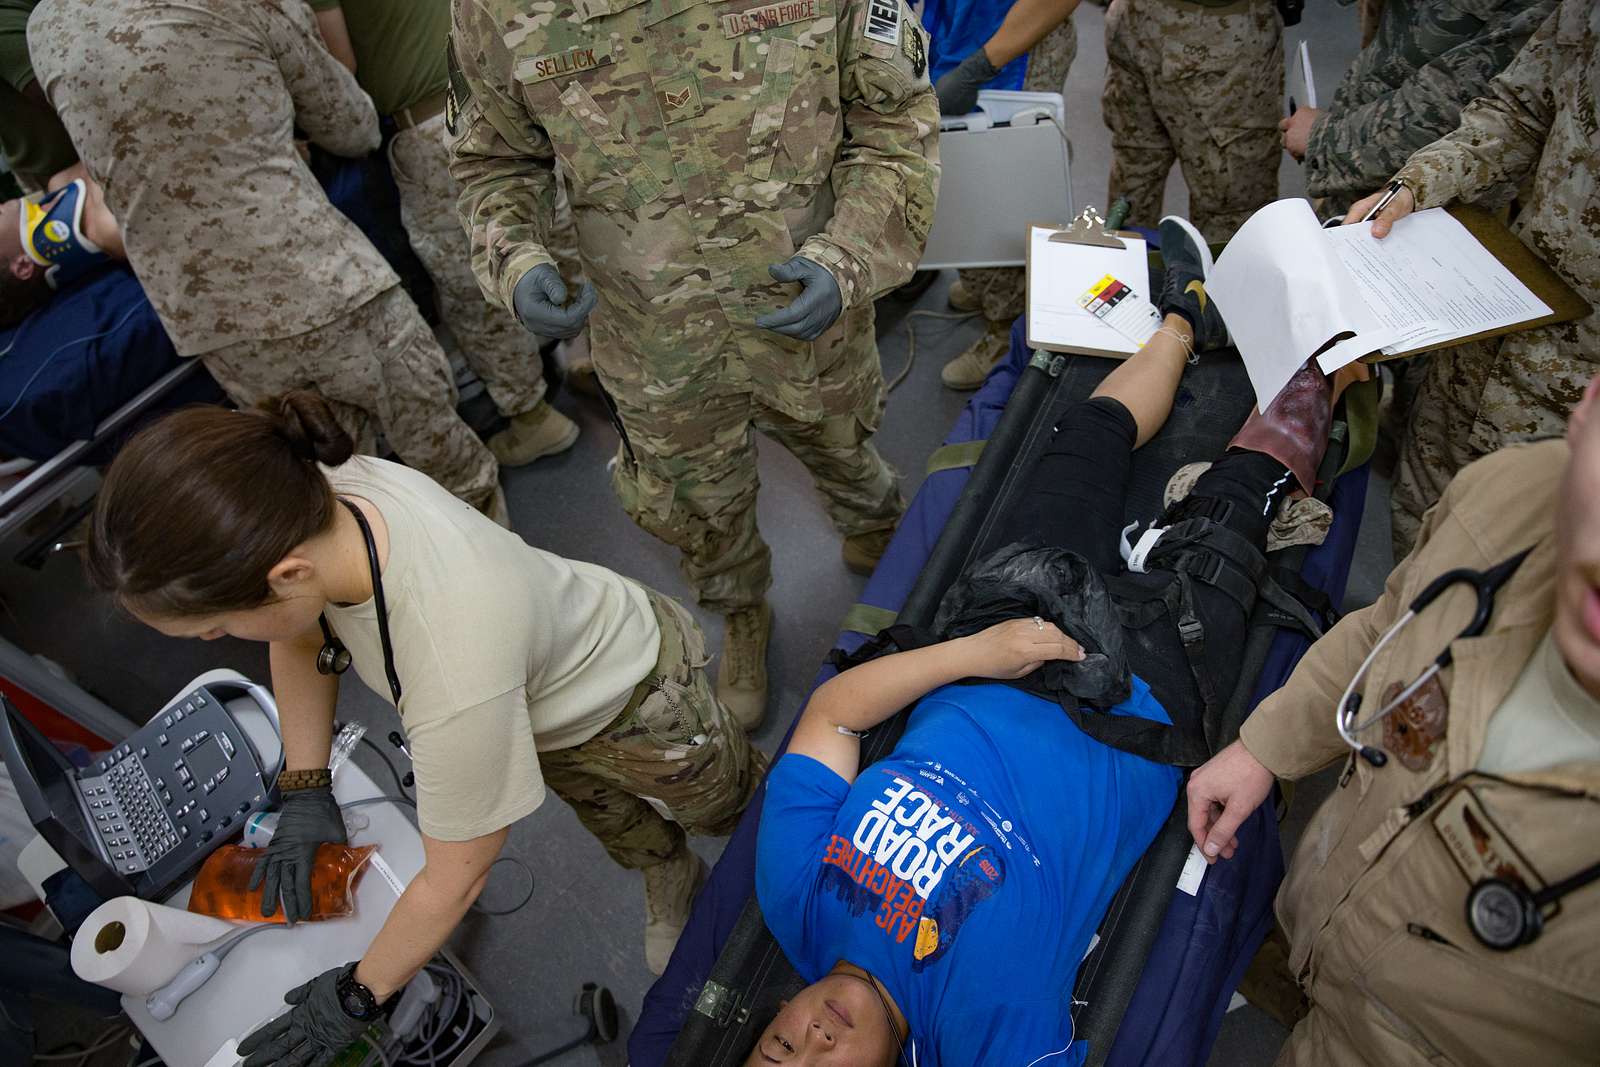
(313, 1030)
(814, 310)
(958, 89)
(306, 818)
(540, 301)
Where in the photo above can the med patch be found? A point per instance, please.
(882, 23)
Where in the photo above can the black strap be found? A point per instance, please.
(378, 601)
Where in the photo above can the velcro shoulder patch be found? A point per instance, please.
(882, 23)
(458, 94)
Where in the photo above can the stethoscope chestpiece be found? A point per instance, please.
(1503, 916)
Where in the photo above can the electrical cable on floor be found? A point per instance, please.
(911, 339)
(105, 1041)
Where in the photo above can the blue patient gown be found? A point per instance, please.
(968, 871)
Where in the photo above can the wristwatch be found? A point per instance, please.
(356, 999)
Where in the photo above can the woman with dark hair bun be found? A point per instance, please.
(513, 669)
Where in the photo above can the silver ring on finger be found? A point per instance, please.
(1038, 623)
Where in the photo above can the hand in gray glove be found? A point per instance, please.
(540, 301)
(306, 818)
(814, 310)
(313, 1030)
(958, 89)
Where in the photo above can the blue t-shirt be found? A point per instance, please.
(958, 28)
(968, 871)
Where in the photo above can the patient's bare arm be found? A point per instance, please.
(865, 696)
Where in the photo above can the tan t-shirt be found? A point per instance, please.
(503, 650)
(1547, 719)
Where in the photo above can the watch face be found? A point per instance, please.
(357, 1002)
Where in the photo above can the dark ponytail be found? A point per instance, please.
(199, 506)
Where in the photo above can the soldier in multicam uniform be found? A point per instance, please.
(1536, 123)
(1043, 30)
(1429, 59)
(392, 47)
(716, 154)
(185, 113)
(1199, 82)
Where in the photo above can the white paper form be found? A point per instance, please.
(1059, 273)
(1284, 295)
(1432, 280)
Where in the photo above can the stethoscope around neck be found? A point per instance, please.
(1502, 913)
(334, 658)
(1485, 584)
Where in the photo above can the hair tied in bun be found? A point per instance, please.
(305, 420)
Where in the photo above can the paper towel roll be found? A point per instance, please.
(134, 946)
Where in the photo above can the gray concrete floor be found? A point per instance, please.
(585, 918)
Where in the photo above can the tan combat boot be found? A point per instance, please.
(862, 551)
(544, 431)
(742, 678)
(970, 368)
(961, 297)
(669, 891)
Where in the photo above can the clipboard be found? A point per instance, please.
(1486, 228)
(1087, 230)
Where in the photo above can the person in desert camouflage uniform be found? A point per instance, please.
(1536, 122)
(705, 145)
(1199, 82)
(1430, 59)
(185, 113)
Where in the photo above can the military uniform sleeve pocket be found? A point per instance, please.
(793, 120)
(605, 168)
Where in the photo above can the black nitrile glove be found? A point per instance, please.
(311, 1033)
(540, 301)
(958, 89)
(814, 310)
(306, 818)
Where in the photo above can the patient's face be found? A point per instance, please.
(1577, 618)
(839, 1020)
(10, 237)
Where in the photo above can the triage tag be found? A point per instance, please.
(1478, 846)
(1118, 306)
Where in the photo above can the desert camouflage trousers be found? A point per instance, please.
(673, 762)
(1202, 86)
(1004, 290)
(1480, 397)
(383, 372)
(499, 351)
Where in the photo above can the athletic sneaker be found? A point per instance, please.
(1189, 264)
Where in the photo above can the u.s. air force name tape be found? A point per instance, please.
(883, 22)
(768, 17)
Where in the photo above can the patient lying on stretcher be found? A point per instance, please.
(51, 239)
(940, 900)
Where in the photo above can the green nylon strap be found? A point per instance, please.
(1361, 415)
(953, 457)
(867, 619)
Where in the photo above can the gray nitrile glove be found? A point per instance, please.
(540, 301)
(313, 1030)
(306, 818)
(814, 310)
(958, 89)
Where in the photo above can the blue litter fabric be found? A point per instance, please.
(1206, 940)
(958, 28)
(98, 344)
